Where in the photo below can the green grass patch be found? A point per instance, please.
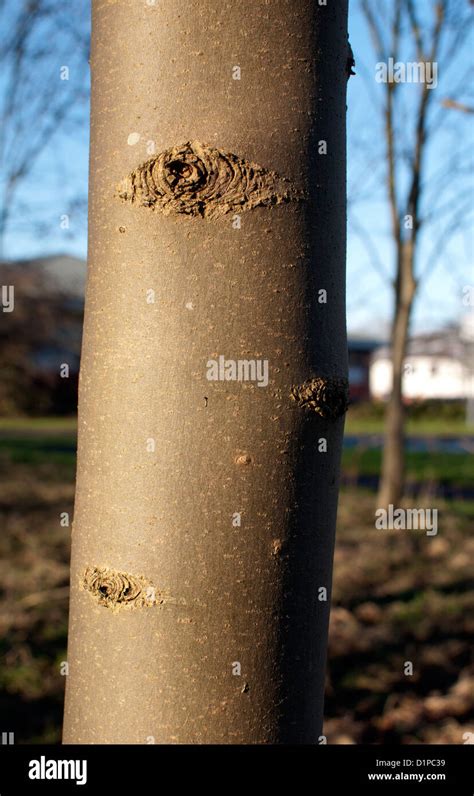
(43, 425)
(428, 467)
(426, 427)
(27, 450)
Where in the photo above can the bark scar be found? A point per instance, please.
(195, 179)
(113, 589)
(328, 397)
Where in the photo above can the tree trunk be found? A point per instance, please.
(206, 501)
(393, 461)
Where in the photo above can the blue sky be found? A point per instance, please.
(60, 176)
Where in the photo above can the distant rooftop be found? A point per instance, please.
(363, 344)
(450, 343)
(59, 273)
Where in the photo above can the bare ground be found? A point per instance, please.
(399, 598)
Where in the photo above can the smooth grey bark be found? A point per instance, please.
(171, 597)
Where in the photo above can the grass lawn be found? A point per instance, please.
(40, 425)
(428, 467)
(429, 427)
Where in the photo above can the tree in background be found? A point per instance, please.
(213, 376)
(43, 89)
(426, 165)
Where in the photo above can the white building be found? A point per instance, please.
(439, 365)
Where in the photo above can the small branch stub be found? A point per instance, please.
(243, 459)
(350, 63)
(327, 397)
(197, 180)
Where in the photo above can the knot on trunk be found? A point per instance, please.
(328, 397)
(197, 180)
(112, 588)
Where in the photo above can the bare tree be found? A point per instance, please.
(213, 376)
(43, 89)
(413, 117)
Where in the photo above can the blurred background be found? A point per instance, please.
(400, 596)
